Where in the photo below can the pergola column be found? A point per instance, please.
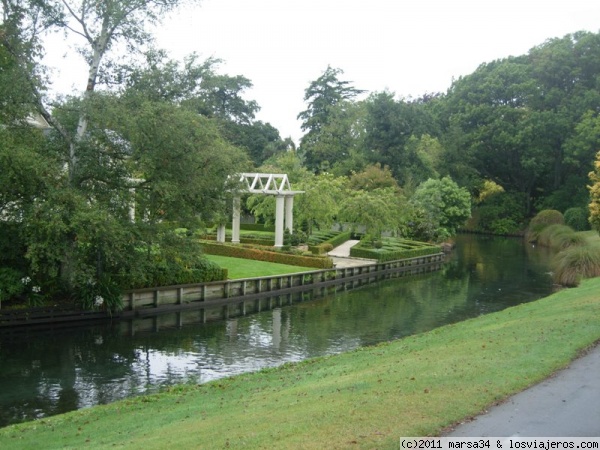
(289, 213)
(235, 225)
(221, 233)
(279, 207)
(132, 205)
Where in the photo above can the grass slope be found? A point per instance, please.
(367, 398)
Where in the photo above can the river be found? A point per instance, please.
(54, 370)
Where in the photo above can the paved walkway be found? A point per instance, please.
(565, 405)
(341, 256)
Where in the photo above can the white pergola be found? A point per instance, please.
(276, 184)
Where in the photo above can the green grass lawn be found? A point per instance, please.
(364, 399)
(248, 268)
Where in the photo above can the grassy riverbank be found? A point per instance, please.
(248, 268)
(367, 398)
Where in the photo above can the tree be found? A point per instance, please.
(138, 146)
(196, 86)
(158, 78)
(424, 156)
(595, 195)
(325, 96)
(319, 205)
(339, 144)
(378, 210)
(389, 125)
(446, 205)
(373, 177)
(104, 26)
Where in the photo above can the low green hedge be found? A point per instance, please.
(394, 249)
(243, 240)
(254, 227)
(318, 240)
(163, 274)
(241, 251)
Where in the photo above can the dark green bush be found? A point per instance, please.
(11, 284)
(577, 218)
(203, 271)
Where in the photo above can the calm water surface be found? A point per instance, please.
(53, 371)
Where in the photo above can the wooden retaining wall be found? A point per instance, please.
(218, 291)
(230, 294)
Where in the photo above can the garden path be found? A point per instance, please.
(341, 256)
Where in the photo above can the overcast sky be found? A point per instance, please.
(408, 47)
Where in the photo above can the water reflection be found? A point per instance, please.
(48, 372)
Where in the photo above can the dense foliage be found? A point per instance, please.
(95, 188)
(529, 124)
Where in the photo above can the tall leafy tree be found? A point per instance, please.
(389, 125)
(594, 188)
(196, 86)
(104, 26)
(319, 205)
(140, 147)
(445, 205)
(378, 210)
(339, 147)
(324, 96)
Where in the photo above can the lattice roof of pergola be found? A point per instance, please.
(267, 183)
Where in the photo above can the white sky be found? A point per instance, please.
(409, 47)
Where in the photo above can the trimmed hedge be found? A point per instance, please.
(254, 227)
(394, 249)
(204, 271)
(318, 240)
(243, 240)
(241, 251)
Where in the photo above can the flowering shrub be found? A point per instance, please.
(102, 295)
(13, 285)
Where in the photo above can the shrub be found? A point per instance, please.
(243, 251)
(11, 284)
(15, 286)
(541, 221)
(103, 295)
(577, 218)
(575, 263)
(327, 247)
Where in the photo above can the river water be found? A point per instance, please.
(51, 371)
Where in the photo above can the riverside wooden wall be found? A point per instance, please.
(221, 291)
(230, 293)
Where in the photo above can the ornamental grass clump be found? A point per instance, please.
(559, 237)
(576, 263)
